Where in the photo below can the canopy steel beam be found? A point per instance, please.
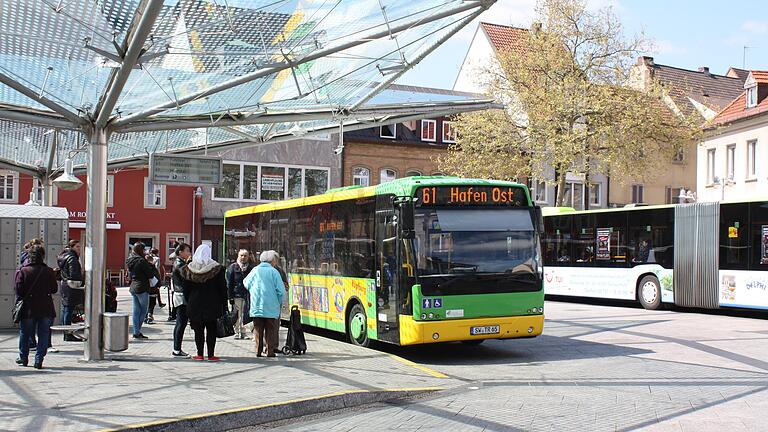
(384, 84)
(52, 152)
(14, 166)
(134, 47)
(204, 122)
(36, 119)
(55, 107)
(127, 120)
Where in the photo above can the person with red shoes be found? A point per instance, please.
(205, 294)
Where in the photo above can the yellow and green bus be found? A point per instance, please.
(412, 261)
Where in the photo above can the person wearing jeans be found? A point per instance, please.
(35, 283)
(236, 273)
(141, 272)
(72, 291)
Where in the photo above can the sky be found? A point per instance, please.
(686, 34)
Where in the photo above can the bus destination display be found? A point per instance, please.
(470, 196)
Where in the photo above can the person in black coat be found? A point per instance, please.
(141, 272)
(238, 294)
(35, 284)
(205, 292)
(72, 281)
(182, 255)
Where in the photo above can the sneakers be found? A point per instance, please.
(53, 350)
(139, 336)
(150, 320)
(39, 365)
(180, 354)
(213, 359)
(198, 358)
(21, 362)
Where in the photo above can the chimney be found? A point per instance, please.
(535, 27)
(645, 61)
(705, 70)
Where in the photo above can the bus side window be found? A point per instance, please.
(759, 236)
(734, 240)
(584, 240)
(557, 240)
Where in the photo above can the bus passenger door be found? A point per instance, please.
(387, 272)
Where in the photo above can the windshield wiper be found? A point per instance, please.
(464, 269)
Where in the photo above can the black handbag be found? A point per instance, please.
(225, 324)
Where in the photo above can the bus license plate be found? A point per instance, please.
(484, 330)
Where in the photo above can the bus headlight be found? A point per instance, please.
(423, 316)
(435, 336)
(530, 329)
(431, 315)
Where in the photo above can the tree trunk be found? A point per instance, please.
(586, 186)
(560, 177)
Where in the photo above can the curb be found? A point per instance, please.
(260, 414)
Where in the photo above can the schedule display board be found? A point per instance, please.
(185, 170)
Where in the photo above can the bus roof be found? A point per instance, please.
(559, 211)
(401, 187)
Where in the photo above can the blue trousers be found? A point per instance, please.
(27, 328)
(139, 311)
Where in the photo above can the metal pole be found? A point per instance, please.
(95, 243)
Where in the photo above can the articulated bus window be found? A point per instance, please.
(651, 236)
(584, 240)
(611, 240)
(557, 240)
(734, 239)
(759, 236)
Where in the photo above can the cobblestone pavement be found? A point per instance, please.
(145, 384)
(595, 368)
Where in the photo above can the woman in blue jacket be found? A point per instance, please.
(266, 291)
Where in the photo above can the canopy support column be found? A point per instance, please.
(95, 243)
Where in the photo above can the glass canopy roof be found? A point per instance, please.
(183, 75)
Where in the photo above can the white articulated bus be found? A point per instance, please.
(706, 255)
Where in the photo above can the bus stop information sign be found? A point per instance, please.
(185, 170)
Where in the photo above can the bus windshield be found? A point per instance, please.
(472, 241)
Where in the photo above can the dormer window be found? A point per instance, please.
(752, 96)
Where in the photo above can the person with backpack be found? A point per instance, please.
(236, 273)
(182, 255)
(141, 272)
(71, 285)
(266, 290)
(154, 291)
(205, 293)
(35, 283)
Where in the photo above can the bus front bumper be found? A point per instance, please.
(419, 332)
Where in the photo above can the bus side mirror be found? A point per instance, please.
(538, 219)
(406, 217)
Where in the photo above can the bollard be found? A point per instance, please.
(115, 331)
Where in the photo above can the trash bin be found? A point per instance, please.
(115, 331)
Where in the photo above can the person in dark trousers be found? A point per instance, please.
(35, 284)
(236, 273)
(141, 272)
(110, 296)
(154, 290)
(266, 290)
(182, 255)
(205, 292)
(71, 286)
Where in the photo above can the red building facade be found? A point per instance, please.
(137, 210)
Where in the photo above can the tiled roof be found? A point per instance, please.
(738, 73)
(737, 109)
(711, 90)
(505, 37)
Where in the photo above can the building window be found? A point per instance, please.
(110, 191)
(428, 130)
(752, 96)
(387, 175)
(540, 191)
(388, 131)
(638, 194)
(449, 132)
(154, 194)
(679, 157)
(594, 194)
(8, 186)
(751, 159)
(710, 166)
(254, 182)
(730, 163)
(413, 173)
(361, 176)
(673, 195)
(173, 240)
(574, 195)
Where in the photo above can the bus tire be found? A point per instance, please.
(649, 292)
(357, 326)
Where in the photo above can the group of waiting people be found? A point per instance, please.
(35, 283)
(201, 290)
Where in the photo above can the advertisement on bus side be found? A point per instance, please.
(609, 283)
(742, 288)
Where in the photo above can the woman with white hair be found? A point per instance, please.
(266, 291)
(205, 295)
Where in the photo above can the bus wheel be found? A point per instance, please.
(357, 326)
(649, 292)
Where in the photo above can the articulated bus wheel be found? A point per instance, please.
(649, 292)
(357, 326)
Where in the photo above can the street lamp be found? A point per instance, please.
(67, 180)
(722, 184)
